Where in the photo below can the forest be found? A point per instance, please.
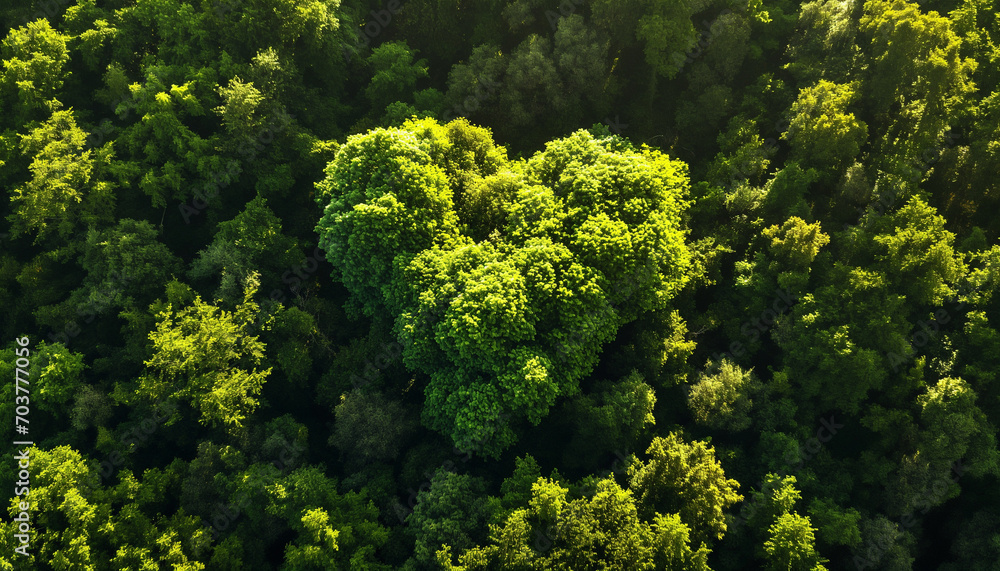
(609, 285)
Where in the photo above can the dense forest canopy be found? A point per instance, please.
(505, 285)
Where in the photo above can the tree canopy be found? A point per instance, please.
(508, 284)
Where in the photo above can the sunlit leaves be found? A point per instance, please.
(207, 356)
(251, 242)
(916, 78)
(34, 58)
(791, 546)
(383, 198)
(504, 326)
(604, 531)
(822, 131)
(686, 479)
(395, 74)
(66, 189)
(919, 253)
(723, 398)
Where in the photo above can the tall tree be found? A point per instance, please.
(685, 479)
(207, 356)
(69, 187)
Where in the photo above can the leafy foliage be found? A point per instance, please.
(755, 240)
